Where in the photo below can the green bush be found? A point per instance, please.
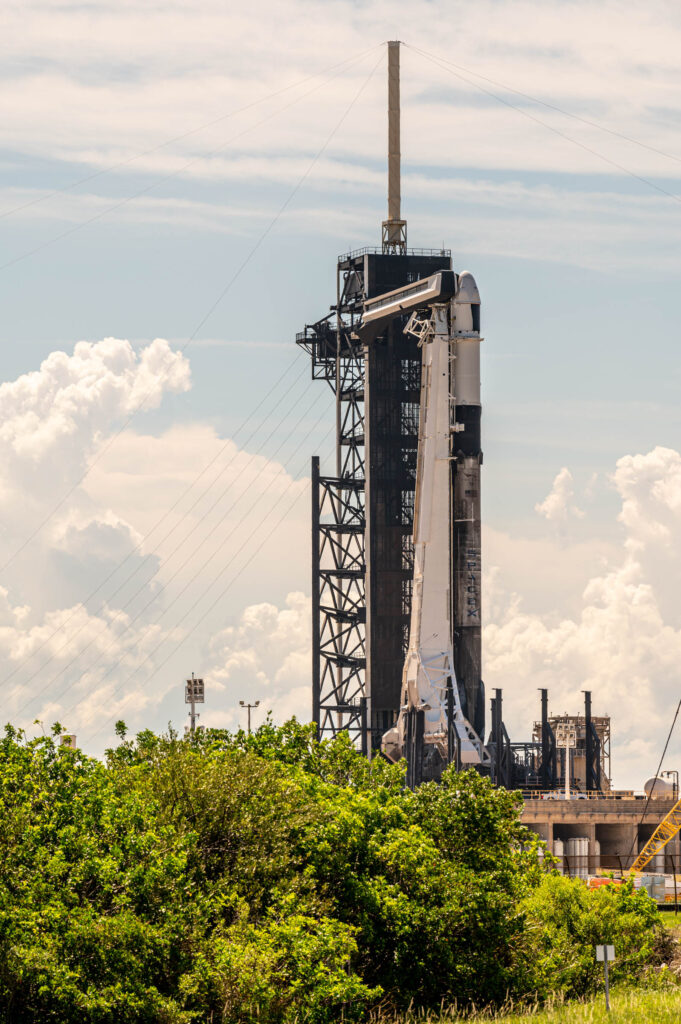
(273, 878)
(565, 921)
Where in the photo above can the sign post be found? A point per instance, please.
(606, 954)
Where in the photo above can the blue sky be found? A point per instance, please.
(577, 263)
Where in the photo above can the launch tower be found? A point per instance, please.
(363, 514)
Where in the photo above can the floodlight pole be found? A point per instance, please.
(193, 695)
(192, 707)
(566, 736)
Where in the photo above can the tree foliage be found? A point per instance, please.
(270, 877)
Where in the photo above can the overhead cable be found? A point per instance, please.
(204, 612)
(179, 138)
(155, 595)
(551, 128)
(232, 280)
(254, 532)
(655, 778)
(137, 548)
(549, 106)
(162, 180)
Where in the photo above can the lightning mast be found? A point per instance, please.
(394, 228)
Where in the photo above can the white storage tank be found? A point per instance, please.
(658, 787)
(559, 851)
(572, 854)
(577, 851)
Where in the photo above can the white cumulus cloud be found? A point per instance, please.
(622, 642)
(56, 542)
(117, 548)
(558, 505)
(265, 656)
(73, 397)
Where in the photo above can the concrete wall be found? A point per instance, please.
(612, 826)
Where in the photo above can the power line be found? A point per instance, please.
(314, 402)
(154, 597)
(138, 547)
(216, 579)
(652, 788)
(242, 266)
(207, 611)
(550, 128)
(549, 106)
(177, 138)
(159, 181)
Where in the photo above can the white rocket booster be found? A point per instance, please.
(466, 454)
(445, 612)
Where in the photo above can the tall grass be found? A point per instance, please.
(628, 1006)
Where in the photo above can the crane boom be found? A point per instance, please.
(665, 831)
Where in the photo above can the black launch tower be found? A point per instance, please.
(362, 516)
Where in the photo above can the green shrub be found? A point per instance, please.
(290, 968)
(566, 921)
(273, 878)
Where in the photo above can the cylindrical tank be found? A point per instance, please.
(577, 851)
(658, 787)
(584, 859)
(595, 858)
(558, 852)
(572, 854)
(466, 458)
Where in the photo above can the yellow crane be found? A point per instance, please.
(666, 830)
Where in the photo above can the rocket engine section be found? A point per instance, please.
(442, 713)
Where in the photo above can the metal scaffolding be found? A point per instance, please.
(362, 516)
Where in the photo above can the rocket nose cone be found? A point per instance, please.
(467, 290)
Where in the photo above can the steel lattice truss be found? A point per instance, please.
(665, 831)
(338, 515)
(343, 570)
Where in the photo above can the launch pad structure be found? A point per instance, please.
(396, 545)
(363, 514)
(396, 548)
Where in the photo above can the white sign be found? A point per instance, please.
(606, 953)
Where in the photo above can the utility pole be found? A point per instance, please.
(194, 694)
(249, 706)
